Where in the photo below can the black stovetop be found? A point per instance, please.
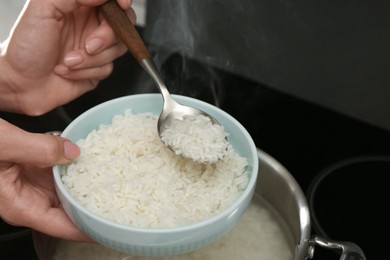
(303, 137)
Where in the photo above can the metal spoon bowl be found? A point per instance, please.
(126, 31)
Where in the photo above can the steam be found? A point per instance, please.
(190, 26)
(178, 35)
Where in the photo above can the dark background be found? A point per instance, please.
(332, 53)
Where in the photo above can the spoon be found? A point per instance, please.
(172, 112)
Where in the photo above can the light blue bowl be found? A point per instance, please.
(156, 242)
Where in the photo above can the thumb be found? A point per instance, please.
(19, 146)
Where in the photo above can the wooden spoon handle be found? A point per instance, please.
(124, 29)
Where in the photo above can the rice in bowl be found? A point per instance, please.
(127, 175)
(155, 241)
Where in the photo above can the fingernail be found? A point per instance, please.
(61, 70)
(71, 150)
(93, 45)
(73, 59)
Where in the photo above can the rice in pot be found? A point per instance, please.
(126, 174)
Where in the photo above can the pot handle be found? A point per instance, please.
(349, 250)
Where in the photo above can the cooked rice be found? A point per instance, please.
(126, 174)
(197, 138)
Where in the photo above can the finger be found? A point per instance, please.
(91, 75)
(53, 222)
(125, 4)
(38, 149)
(100, 39)
(56, 223)
(79, 59)
(42, 216)
(70, 5)
(104, 36)
(132, 15)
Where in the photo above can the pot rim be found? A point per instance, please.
(301, 231)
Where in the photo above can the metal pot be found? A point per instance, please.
(289, 200)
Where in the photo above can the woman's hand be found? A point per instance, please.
(57, 51)
(27, 194)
